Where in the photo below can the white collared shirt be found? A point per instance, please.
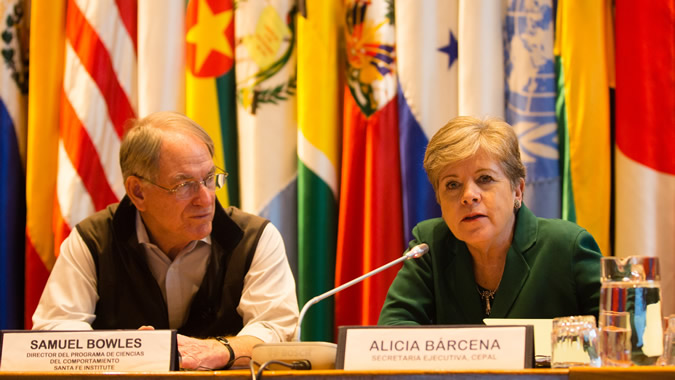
(179, 279)
(268, 304)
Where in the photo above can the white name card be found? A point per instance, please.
(88, 351)
(435, 347)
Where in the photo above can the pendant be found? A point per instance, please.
(487, 295)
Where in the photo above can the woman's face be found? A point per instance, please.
(477, 201)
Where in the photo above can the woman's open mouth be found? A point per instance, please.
(472, 217)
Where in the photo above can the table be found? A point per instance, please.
(580, 373)
(528, 374)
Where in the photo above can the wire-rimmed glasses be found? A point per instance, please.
(188, 189)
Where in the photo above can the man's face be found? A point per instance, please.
(171, 222)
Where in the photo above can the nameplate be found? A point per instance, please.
(435, 347)
(88, 351)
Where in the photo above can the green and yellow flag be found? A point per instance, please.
(584, 64)
(319, 123)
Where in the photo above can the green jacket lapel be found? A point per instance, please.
(516, 269)
(465, 284)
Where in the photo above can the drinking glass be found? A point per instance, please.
(615, 337)
(668, 357)
(574, 342)
(633, 284)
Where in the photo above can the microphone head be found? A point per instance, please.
(417, 251)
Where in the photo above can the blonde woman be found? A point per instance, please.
(490, 256)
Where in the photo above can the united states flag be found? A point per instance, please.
(99, 94)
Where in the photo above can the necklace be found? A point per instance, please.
(486, 295)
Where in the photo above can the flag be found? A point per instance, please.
(645, 136)
(13, 91)
(318, 159)
(426, 51)
(210, 83)
(47, 39)
(99, 94)
(481, 62)
(161, 56)
(530, 100)
(266, 114)
(584, 73)
(370, 228)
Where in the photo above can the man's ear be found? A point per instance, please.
(136, 191)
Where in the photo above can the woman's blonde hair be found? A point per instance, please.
(139, 152)
(463, 136)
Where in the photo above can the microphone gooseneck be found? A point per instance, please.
(413, 253)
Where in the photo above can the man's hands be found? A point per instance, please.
(201, 354)
(209, 354)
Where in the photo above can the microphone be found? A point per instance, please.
(321, 355)
(415, 252)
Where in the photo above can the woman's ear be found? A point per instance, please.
(519, 189)
(135, 191)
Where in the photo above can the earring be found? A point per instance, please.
(516, 204)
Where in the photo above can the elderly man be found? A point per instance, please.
(169, 256)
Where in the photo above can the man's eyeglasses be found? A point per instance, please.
(188, 189)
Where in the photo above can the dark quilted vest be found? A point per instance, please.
(129, 295)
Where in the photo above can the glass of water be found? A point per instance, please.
(668, 357)
(615, 338)
(633, 284)
(574, 342)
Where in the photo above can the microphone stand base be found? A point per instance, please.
(321, 355)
